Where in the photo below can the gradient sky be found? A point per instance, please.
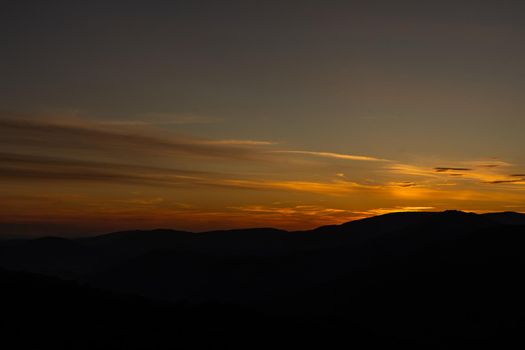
(205, 115)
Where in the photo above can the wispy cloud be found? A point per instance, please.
(491, 163)
(91, 137)
(115, 138)
(238, 142)
(299, 216)
(382, 211)
(332, 188)
(478, 171)
(496, 182)
(19, 167)
(444, 169)
(336, 155)
(403, 184)
(160, 119)
(412, 170)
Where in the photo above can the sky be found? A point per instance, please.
(202, 115)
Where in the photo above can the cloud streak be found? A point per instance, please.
(383, 211)
(480, 172)
(444, 170)
(19, 167)
(239, 142)
(124, 138)
(41, 134)
(336, 156)
(496, 182)
(156, 119)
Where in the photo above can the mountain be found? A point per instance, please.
(431, 279)
(507, 218)
(45, 312)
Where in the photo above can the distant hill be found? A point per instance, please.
(507, 218)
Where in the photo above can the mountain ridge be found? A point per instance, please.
(431, 278)
(508, 217)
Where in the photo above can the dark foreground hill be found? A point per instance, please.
(40, 312)
(432, 280)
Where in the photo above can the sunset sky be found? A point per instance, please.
(202, 115)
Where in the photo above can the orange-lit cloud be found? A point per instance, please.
(382, 211)
(336, 156)
(480, 171)
(22, 167)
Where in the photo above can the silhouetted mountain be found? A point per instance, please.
(507, 218)
(438, 280)
(45, 312)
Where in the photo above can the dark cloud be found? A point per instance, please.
(406, 184)
(30, 168)
(48, 135)
(22, 161)
(38, 168)
(504, 181)
(447, 169)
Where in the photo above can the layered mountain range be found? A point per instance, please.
(433, 279)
